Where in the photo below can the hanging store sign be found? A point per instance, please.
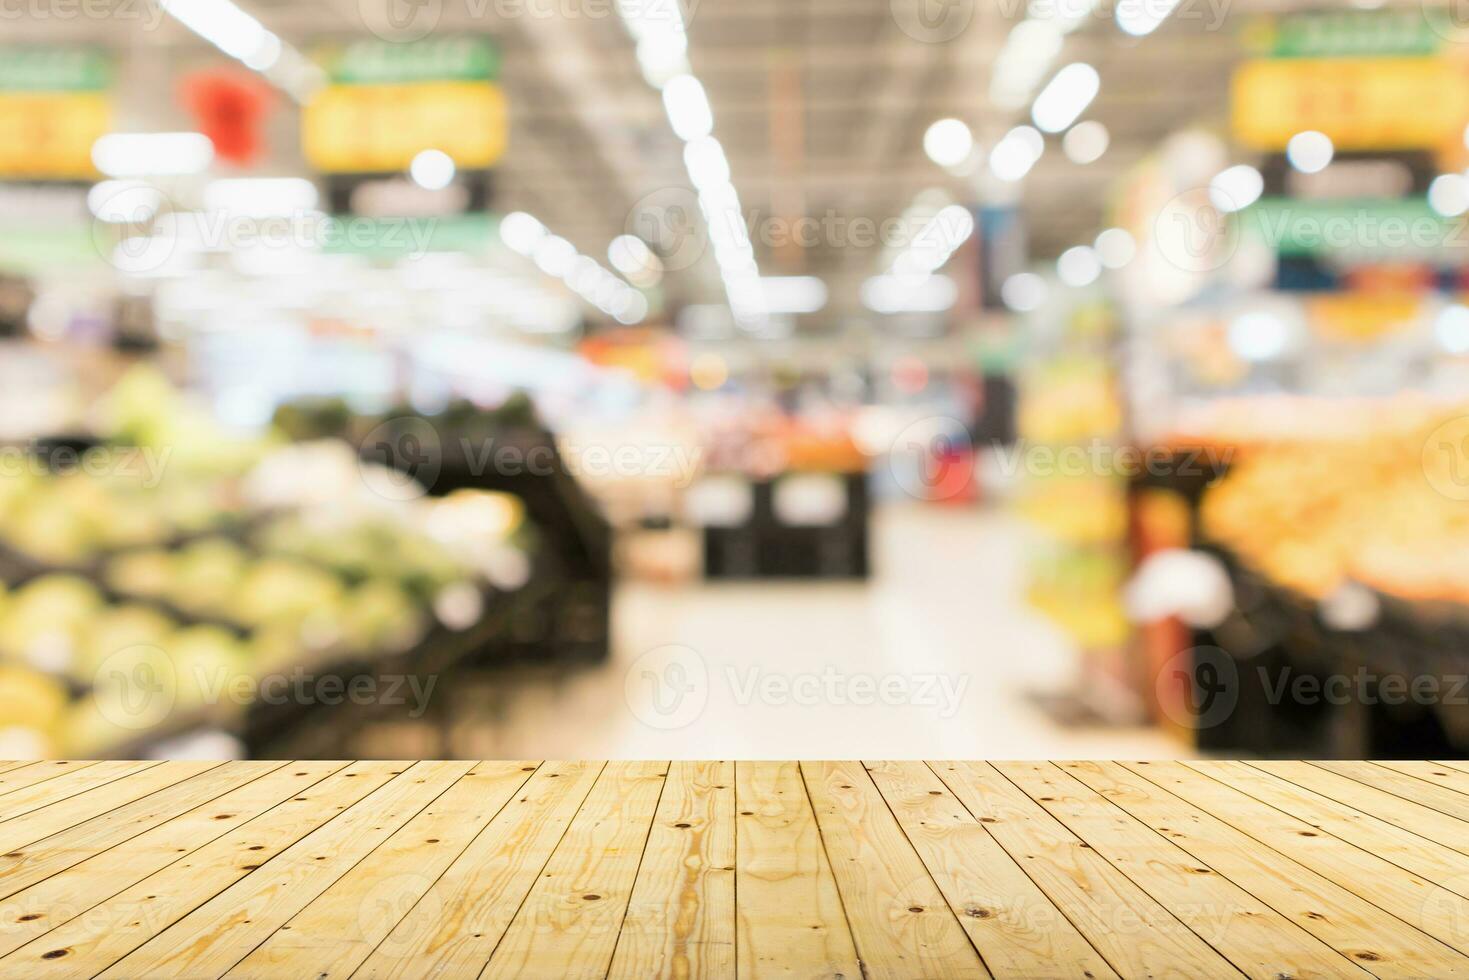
(1361, 103)
(53, 107)
(1404, 31)
(381, 128)
(390, 102)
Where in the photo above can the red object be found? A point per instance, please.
(230, 108)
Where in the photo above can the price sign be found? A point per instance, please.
(49, 135)
(1361, 103)
(381, 128)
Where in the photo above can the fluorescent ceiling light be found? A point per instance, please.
(124, 201)
(793, 294)
(1023, 292)
(706, 163)
(1013, 156)
(521, 233)
(433, 170)
(1448, 195)
(261, 197)
(898, 294)
(555, 255)
(688, 108)
(1235, 188)
(1078, 266)
(1142, 17)
(948, 142)
(152, 154)
(629, 254)
(1115, 247)
(1310, 152)
(1086, 142)
(1066, 97)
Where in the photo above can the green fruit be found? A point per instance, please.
(206, 662)
(115, 630)
(141, 573)
(45, 619)
(382, 617)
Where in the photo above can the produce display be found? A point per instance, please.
(131, 598)
(1383, 508)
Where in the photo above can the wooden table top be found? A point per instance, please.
(722, 869)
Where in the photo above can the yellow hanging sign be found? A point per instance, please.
(381, 128)
(1407, 103)
(49, 135)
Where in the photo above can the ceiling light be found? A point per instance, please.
(261, 197)
(1142, 17)
(706, 163)
(1451, 329)
(1023, 292)
(793, 294)
(629, 254)
(1066, 97)
(688, 108)
(1235, 188)
(1085, 142)
(555, 256)
(1078, 266)
(1258, 336)
(897, 294)
(1013, 156)
(152, 154)
(433, 170)
(1115, 248)
(948, 142)
(521, 233)
(1448, 195)
(1310, 152)
(124, 201)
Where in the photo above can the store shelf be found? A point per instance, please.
(718, 868)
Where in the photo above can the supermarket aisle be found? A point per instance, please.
(934, 658)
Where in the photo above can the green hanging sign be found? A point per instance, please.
(430, 60)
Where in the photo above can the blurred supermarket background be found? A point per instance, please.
(733, 378)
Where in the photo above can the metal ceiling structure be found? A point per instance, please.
(821, 105)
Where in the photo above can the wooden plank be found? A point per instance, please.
(1431, 772)
(1259, 941)
(1416, 900)
(1136, 934)
(116, 927)
(568, 925)
(455, 927)
(59, 899)
(8, 766)
(136, 784)
(1012, 923)
(30, 773)
(1383, 944)
(344, 924)
(681, 919)
(1404, 801)
(1452, 764)
(1408, 850)
(214, 937)
(62, 784)
(789, 917)
(899, 920)
(44, 858)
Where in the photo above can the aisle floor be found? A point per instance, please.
(938, 656)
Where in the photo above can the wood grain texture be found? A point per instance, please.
(569, 923)
(789, 916)
(681, 919)
(717, 869)
(1359, 930)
